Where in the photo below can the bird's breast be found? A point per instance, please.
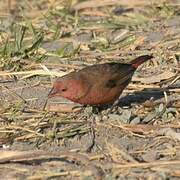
(100, 96)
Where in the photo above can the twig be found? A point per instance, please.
(24, 129)
(19, 156)
(14, 93)
(142, 165)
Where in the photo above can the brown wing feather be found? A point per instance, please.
(115, 73)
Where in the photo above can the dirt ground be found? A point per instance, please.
(41, 40)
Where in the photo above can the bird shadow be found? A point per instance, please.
(139, 97)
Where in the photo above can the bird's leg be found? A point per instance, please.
(96, 109)
(109, 110)
(113, 106)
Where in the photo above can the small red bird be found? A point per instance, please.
(97, 84)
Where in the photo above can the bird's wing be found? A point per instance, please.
(109, 74)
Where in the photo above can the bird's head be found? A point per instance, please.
(67, 88)
(60, 88)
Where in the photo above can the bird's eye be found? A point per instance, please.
(64, 89)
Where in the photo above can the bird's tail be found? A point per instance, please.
(139, 60)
